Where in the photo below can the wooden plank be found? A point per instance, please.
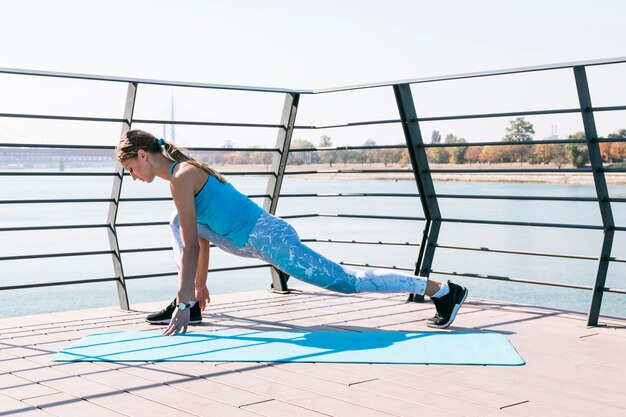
(379, 403)
(438, 397)
(510, 381)
(19, 388)
(435, 386)
(65, 405)
(106, 396)
(244, 377)
(275, 408)
(326, 372)
(143, 374)
(196, 402)
(10, 406)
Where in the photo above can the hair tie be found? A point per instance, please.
(160, 142)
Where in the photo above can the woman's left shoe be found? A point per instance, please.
(447, 306)
(164, 316)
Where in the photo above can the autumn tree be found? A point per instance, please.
(473, 153)
(614, 151)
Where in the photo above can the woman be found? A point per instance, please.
(209, 209)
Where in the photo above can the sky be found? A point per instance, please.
(303, 45)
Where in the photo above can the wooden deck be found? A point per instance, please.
(571, 370)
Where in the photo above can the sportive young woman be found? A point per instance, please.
(210, 209)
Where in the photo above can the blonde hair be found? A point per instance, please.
(134, 140)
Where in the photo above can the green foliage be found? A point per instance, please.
(435, 137)
(619, 134)
(457, 153)
(577, 154)
(519, 130)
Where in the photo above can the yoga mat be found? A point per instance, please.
(282, 346)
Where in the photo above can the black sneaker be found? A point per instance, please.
(447, 306)
(164, 316)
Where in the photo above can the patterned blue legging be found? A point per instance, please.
(275, 241)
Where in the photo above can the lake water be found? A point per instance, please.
(554, 240)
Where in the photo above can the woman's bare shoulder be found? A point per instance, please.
(187, 175)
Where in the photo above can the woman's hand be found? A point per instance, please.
(202, 296)
(178, 323)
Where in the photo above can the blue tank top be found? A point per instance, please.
(225, 210)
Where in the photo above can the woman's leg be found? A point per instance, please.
(204, 232)
(277, 242)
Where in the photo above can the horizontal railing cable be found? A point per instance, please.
(352, 216)
(611, 140)
(235, 173)
(59, 227)
(503, 143)
(349, 124)
(531, 224)
(167, 274)
(54, 117)
(307, 195)
(516, 197)
(509, 171)
(59, 201)
(148, 199)
(350, 171)
(199, 123)
(496, 115)
(361, 242)
(376, 266)
(57, 283)
(55, 255)
(142, 224)
(509, 279)
(56, 146)
(57, 174)
(222, 149)
(347, 148)
(516, 252)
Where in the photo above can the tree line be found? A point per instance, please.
(512, 149)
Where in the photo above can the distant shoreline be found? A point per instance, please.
(478, 176)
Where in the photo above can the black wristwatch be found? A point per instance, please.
(183, 306)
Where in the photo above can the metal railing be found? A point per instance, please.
(422, 173)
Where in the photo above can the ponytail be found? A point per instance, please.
(176, 154)
(134, 140)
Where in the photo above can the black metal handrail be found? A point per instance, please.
(415, 147)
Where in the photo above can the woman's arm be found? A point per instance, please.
(202, 292)
(182, 189)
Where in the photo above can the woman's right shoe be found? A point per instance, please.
(447, 306)
(164, 316)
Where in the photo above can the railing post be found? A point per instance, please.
(423, 178)
(114, 206)
(595, 157)
(279, 163)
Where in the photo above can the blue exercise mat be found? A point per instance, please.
(280, 346)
